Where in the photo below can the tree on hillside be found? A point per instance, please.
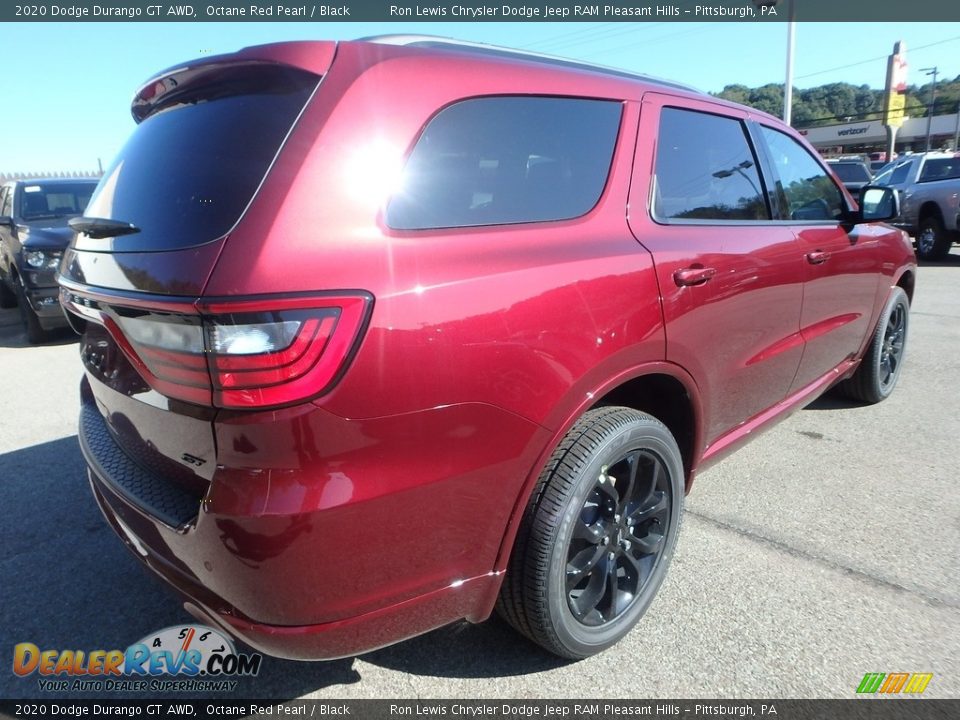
(840, 102)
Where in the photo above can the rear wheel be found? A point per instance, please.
(933, 241)
(880, 368)
(598, 534)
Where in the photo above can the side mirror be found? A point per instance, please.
(878, 204)
(6, 220)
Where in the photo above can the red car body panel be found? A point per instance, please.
(388, 506)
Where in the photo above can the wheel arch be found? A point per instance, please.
(907, 281)
(666, 398)
(927, 209)
(663, 390)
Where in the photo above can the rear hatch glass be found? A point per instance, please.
(851, 172)
(198, 156)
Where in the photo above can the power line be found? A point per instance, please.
(654, 40)
(875, 59)
(600, 29)
(602, 36)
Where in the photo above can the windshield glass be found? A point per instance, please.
(54, 200)
(893, 174)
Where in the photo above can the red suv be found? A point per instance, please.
(383, 334)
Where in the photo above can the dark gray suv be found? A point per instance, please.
(33, 236)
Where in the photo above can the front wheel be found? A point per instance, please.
(8, 297)
(933, 240)
(880, 368)
(31, 323)
(598, 534)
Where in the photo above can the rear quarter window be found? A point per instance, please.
(503, 160)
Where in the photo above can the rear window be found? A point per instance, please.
(500, 160)
(41, 201)
(192, 166)
(850, 172)
(940, 169)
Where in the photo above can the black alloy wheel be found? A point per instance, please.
(879, 370)
(598, 533)
(618, 537)
(892, 347)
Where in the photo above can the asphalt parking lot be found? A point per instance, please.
(828, 548)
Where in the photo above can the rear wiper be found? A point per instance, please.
(102, 227)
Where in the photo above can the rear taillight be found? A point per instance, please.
(237, 354)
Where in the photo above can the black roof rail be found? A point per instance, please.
(434, 41)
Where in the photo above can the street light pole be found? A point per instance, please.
(933, 99)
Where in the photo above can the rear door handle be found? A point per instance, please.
(818, 257)
(693, 275)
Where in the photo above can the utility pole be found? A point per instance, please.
(769, 7)
(956, 133)
(933, 99)
(788, 85)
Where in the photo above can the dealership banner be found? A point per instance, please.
(858, 11)
(886, 709)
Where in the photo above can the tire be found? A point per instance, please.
(8, 298)
(608, 501)
(933, 241)
(31, 323)
(880, 367)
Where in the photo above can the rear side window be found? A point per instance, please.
(192, 166)
(500, 160)
(705, 169)
(809, 192)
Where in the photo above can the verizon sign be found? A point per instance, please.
(839, 134)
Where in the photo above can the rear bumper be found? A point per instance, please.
(324, 641)
(322, 565)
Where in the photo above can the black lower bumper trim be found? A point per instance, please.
(169, 503)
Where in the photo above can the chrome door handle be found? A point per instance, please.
(818, 257)
(693, 275)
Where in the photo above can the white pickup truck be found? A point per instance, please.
(929, 185)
